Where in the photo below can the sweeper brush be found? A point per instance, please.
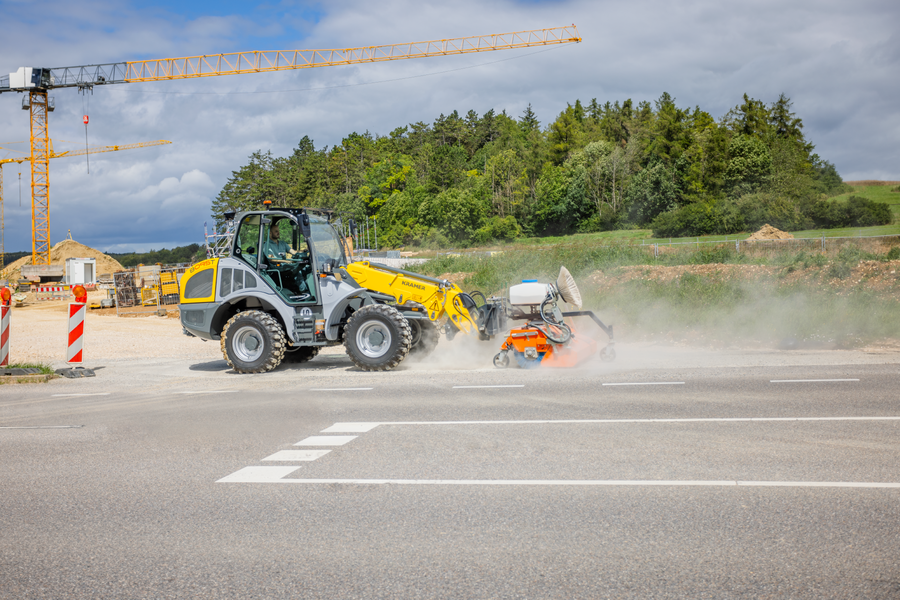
(546, 339)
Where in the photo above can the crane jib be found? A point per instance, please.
(87, 76)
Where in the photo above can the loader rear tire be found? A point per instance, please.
(301, 355)
(253, 342)
(425, 337)
(377, 337)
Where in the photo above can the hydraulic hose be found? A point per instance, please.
(551, 322)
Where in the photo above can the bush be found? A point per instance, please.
(893, 253)
(853, 212)
(702, 218)
(505, 229)
(605, 219)
(778, 211)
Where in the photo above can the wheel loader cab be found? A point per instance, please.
(275, 246)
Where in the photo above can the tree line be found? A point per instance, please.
(467, 179)
(181, 254)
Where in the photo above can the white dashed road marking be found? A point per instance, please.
(258, 475)
(46, 427)
(649, 383)
(808, 380)
(326, 440)
(340, 389)
(350, 428)
(471, 387)
(209, 392)
(80, 395)
(297, 455)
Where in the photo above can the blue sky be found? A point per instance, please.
(837, 61)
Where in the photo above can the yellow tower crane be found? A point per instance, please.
(80, 152)
(38, 81)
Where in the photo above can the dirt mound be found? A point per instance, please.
(58, 255)
(767, 232)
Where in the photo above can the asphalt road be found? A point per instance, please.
(167, 480)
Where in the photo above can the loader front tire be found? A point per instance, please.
(425, 337)
(377, 337)
(253, 342)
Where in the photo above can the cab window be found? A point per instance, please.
(247, 240)
(286, 264)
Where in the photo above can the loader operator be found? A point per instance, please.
(274, 247)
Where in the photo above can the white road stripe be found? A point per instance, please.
(210, 392)
(372, 425)
(326, 440)
(340, 389)
(46, 427)
(808, 380)
(258, 475)
(350, 428)
(254, 476)
(469, 387)
(649, 383)
(80, 395)
(297, 455)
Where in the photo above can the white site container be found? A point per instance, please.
(529, 293)
(81, 270)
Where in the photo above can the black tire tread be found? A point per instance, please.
(401, 325)
(272, 327)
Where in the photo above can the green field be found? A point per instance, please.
(878, 193)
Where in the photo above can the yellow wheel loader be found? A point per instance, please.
(286, 289)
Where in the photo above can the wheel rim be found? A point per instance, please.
(373, 339)
(416, 331)
(248, 344)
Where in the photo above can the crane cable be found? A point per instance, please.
(85, 105)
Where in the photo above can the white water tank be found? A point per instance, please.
(529, 293)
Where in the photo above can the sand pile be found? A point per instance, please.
(58, 255)
(767, 232)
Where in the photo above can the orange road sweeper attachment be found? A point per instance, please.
(546, 339)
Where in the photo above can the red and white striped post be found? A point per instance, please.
(76, 325)
(5, 295)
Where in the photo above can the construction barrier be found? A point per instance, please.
(5, 295)
(147, 289)
(76, 332)
(51, 292)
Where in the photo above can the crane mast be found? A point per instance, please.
(37, 81)
(52, 154)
